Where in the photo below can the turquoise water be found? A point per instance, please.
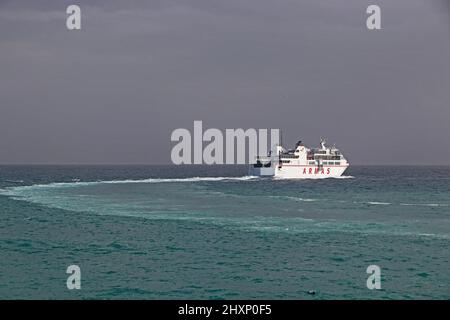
(213, 232)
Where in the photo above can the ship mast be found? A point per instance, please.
(280, 146)
(280, 142)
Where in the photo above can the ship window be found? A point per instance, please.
(337, 163)
(312, 162)
(327, 157)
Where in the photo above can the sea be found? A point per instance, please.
(214, 232)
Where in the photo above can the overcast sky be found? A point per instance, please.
(114, 91)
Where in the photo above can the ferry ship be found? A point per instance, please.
(301, 162)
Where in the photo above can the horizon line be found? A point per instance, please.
(171, 164)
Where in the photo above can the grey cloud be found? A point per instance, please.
(114, 91)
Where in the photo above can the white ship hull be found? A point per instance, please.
(300, 172)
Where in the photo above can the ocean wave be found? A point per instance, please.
(378, 203)
(331, 200)
(426, 204)
(303, 199)
(247, 223)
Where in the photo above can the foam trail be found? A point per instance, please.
(193, 179)
(378, 203)
(150, 180)
(303, 199)
(425, 204)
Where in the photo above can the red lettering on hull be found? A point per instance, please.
(317, 171)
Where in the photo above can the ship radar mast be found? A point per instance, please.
(280, 140)
(322, 143)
